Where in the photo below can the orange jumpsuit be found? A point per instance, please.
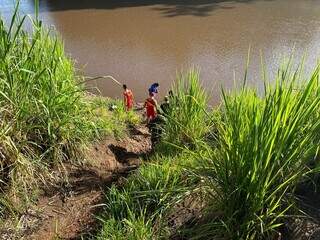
(128, 99)
(150, 105)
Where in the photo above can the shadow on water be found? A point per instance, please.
(169, 8)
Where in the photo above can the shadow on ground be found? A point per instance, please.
(167, 8)
(308, 199)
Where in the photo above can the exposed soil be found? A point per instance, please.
(307, 226)
(68, 209)
(183, 215)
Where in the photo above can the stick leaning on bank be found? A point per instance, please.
(88, 79)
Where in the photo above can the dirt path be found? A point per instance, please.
(67, 210)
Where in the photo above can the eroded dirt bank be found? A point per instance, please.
(67, 210)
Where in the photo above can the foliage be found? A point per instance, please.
(187, 121)
(144, 199)
(45, 116)
(265, 145)
(247, 170)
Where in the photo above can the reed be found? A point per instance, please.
(187, 121)
(260, 148)
(265, 145)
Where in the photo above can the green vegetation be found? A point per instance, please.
(187, 121)
(103, 116)
(45, 116)
(264, 147)
(247, 157)
(135, 210)
(187, 118)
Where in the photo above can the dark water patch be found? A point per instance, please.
(168, 8)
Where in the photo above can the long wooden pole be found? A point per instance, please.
(88, 79)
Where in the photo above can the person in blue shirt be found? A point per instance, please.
(153, 88)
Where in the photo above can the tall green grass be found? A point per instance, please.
(137, 209)
(39, 98)
(187, 120)
(265, 145)
(261, 148)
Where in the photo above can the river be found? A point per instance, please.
(141, 42)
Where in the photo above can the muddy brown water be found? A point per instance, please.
(140, 42)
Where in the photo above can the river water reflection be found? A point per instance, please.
(140, 42)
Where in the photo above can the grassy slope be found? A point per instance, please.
(46, 118)
(245, 159)
(137, 209)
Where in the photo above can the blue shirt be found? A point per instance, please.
(153, 88)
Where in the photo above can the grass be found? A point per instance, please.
(39, 99)
(260, 148)
(137, 209)
(100, 120)
(246, 157)
(187, 121)
(265, 146)
(133, 228)
(146, 199)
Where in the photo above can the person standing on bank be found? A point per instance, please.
(151, 107)
(127, 98)
(153, 89)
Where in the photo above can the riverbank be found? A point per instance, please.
(163, 184)
(48, 123)
(245, 170)
(67, 208)
(240, 171)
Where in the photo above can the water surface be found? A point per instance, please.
(140, 42)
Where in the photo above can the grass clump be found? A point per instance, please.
(187, 121)
(136, 210)
(133, 228)
(264, 148)
(39, 99)
(103, 116)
